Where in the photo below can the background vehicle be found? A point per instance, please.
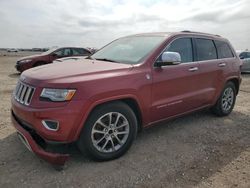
(49, 56)
(245, 57)
(12, 50)
(73, 58)
(134, 82)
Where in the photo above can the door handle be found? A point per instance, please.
(222, 64)
(193, 69)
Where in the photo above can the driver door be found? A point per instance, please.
(175, 89)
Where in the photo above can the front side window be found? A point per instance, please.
(63, 52)
(184, 47)
(79, 51)
(129, 50)
(59, 53)
(223, 50)
(205, 49)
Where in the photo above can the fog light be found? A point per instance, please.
(51, 125)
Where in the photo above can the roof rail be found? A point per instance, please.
(187, 31)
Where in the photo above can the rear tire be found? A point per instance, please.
(108, 132)
(225, 103)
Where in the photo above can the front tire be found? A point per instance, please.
(225, 103)
(109, 131)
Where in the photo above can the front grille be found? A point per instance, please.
(23, 93)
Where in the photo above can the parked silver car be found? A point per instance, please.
(245, 57)
(12, 50)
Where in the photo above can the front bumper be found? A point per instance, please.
(33, 143)
(69, 117)
(20, 67)
(245, 68)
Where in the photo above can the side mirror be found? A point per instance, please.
(169, 58)
(242, 57)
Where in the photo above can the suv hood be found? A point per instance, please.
(74, 71)
(30, 57)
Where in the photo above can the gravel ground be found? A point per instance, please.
(198, 150)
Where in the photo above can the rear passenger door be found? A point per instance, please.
(211, 69)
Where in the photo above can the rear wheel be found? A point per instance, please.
(109, 131)
(225, 103)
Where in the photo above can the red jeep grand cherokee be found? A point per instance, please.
(134, 82)
(49, 56)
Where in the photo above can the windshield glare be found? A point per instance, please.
(129, 50)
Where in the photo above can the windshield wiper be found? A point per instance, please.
(105, 59)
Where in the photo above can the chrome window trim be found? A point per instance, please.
(195, 37)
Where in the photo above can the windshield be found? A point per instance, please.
(49, 51)
(129, 50)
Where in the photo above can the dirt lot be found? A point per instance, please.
(198, 150)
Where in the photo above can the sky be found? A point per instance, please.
(94, 23)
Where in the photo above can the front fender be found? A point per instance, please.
(91, 104)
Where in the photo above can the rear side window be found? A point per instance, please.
(184, 47)
(223, 50)
(205, 49)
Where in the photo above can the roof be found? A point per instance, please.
(185, 32)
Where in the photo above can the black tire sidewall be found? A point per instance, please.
(85, 142)
(219, 107)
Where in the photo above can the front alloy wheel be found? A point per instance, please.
(109, 131)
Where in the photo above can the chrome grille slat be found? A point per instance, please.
(17, 88)
(19, 92)
(24, 93)
(31, 95)
(27, 95)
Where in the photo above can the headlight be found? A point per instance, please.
(58, 94)
(25, 61)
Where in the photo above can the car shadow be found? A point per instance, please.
(14, 75)
(191, 145)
